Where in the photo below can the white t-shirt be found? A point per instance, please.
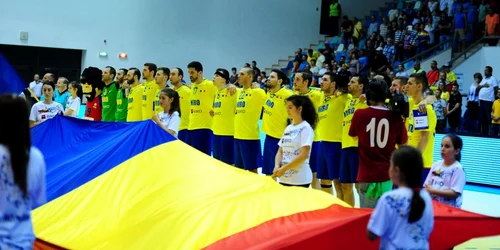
(37, 88)
(294, 138)
(389, 221)
(42, 111)
(443, 177)
(320, 61)
(488, 93)
(15, 226)
(73, 104)
(171, 121)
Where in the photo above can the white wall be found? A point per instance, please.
(487, 56)
(218, 33)
(359, 8)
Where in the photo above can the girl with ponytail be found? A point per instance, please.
(403, 217)
(170, 118)
(446, 179)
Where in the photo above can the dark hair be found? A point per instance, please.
(181, 73)
(50, 83)
(282, 76)
(137, 72)
(151, 67)
(223, 73)
(52, 77)
(489, 68)
(479, 76)
(112, 71)
(411, 165)
(166, 71)
(420, 79)
(377, 91)
(15, 135)
(124, 70)
(196, 66)
(341, 81)
(457, 144)
(233, 68)
(362, 80)
(78, 87)
(306, 76)
(402, 79)
(308, 113)
(175, 106)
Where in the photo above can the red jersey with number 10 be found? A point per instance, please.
(378, 131)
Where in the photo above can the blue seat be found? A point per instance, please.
(395, 65)
(409, 64)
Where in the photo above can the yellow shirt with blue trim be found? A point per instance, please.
(224, 108)
(134, 108)
(248, 109)
(201, 101)
(316, 98)
(415, 135)
(148, 98)
(350, 107)
(184, 95)
(331, 114)
(275, 117)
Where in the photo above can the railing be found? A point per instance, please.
(466, 52)
(429, 52)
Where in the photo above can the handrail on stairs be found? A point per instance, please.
(463, 54)
(427, 52)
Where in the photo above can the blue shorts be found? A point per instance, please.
(183, 136)
(223, 148)
(314, 158)
(270, 149)
(349, 165)
(329, 162)
(247, 154)
(201, 139)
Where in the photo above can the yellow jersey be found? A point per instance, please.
(248, 109)
(224, 108)
(184, 95)
(148, 98)
(331, 114)
(275, 117)
(201, 101)
(496, 111)
(414, 135)
(316, 98)
(134, 108)
(445, 96)
(350, 107)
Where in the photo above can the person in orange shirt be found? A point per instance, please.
(492, 27)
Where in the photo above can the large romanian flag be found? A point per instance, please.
(133, 186)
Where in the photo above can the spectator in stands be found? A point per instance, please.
(393, 13)
(399, 42)
(363, 63)
(390, 51)
(234, 77)
(495, 116)
(36, 86)
(483, 10)
(358, 31)
(422, 38)
(433, 75)
(321, 58)
(401, 71)
(451, 78)
(298, 56)
(303, 63)
(325, 68)
(430, 30)
(492, 27)
(346, 28)
(417, 69)
(487, 89)
(432, 5)
(440, 107)
(473, 104)
(379, 63)
(454, 109)
(391, 30)
(409, 43)
(444, 28)
(445, 95)
(354, 64)
(384, 27)
(373, 28)
(459, 25)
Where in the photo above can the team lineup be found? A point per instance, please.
(222, 120)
